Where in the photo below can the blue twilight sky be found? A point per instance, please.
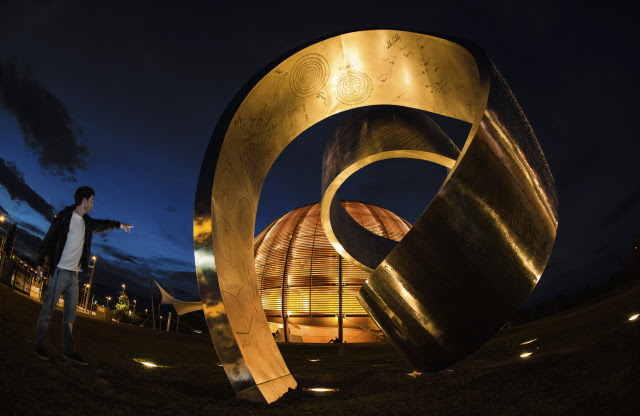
(123, 96)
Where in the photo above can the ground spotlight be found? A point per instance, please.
(148, 364)
(525, 355)
(634, 317)
(320, 391)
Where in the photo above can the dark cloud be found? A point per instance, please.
(173, 264)
(181, 285)
(47, 128)
(126, 258)
(26, 244)
(117, 254)
(32, 229)
(12, 179)
(184, 295)
(181, 277)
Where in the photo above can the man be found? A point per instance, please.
(67, 247)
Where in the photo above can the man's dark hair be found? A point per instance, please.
(82, 193)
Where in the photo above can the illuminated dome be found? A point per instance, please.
(294, 252)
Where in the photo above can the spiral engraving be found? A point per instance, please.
(353, 88)
(309, 75)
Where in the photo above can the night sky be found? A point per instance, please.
(123, 97)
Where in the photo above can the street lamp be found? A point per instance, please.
(93, 268)
(108, 299)
(4, 239)
(134, 305)
(85, 296)
(123, 286)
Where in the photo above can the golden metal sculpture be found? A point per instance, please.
(498, 200)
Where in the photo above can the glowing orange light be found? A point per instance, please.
(320, 391)
(529, 342)
(525, 355)
(634, 317)
(145, 363)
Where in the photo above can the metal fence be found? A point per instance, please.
(17, 274)
(20, 276)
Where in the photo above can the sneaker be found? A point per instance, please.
(41, 353)
(75, 357)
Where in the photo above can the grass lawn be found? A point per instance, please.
(584, 361)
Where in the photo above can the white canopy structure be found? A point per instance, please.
(182, 307)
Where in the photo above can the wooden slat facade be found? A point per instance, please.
(296, 262)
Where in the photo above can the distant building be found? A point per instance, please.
(298, 275)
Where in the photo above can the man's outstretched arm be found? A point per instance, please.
(100, 226)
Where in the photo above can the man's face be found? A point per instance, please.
(87, 204)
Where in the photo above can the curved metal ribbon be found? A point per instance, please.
(499, 198)
(374, 134)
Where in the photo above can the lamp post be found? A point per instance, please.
(123, 287)
(134, 305)
(2, 218)
(108, 299)
(93, 268)
(85, 296)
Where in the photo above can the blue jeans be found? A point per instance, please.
(63, 282)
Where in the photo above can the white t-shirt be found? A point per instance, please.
(73, 247)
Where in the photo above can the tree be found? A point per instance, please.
(122, 307)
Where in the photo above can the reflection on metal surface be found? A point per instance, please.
(371, 135)
(469, 261)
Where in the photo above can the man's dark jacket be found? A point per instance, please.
(56, 238)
